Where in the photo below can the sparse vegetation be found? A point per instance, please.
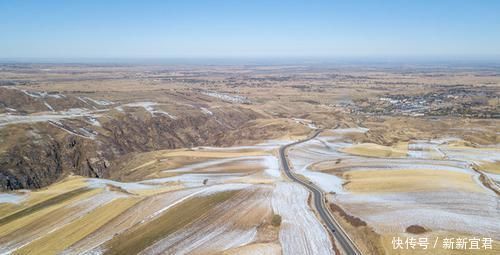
(140, 237)
(276, 220)
(415, 229)
(39, 206)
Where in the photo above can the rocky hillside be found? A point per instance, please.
(38, 148)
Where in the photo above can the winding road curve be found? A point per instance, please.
(332, 225)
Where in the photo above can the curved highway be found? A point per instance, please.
(332, 225)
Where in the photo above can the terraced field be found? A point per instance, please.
(181, 159)
(435, 185)
(215, 200)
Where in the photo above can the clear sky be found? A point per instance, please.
(248, 28)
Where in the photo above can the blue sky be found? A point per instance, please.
(172, 29)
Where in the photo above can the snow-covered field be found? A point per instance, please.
(139, 214)
(15, 240)
(230, 226)
(219, 229)
(303, 155)
(260, 191)
(457, 209)
(301, 232)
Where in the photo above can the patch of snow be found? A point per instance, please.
(467, 212)
(268, 162)
(213, 232)
(162, 210)
(86, 102)
(224, 187)
(214, 162)
(16, 119)
(300, 232)
(11, 198)
(57, 96)
(48, 106)
(148, 106)
(89, 204)
(96, 251)
(461, 211)
(42, 94)
(76, 111)
(268, 145)
(472, 154)
(309, 123)
(424, 149)
(312, 126)
(327, 182)
(350, 130)
(477, 180)
(93, 243)
(204, 192)
(6, 119)
(206, 111)
(494, 177)
(220, 238)
(93, 121)
(98, 200)
(86, 134)
(375, 164)
(102, 102)
(272, 167)
(165, 113)
(303, 155)
(80, 208)
(275, 143)
(82, 99)
(129, 186)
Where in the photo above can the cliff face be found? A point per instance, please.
(45, 136)
(40, 161)
(30, 165)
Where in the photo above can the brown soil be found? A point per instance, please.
(354, 221)
(487, 182)
(415, 229)
(266, 233)
(368, 241)
(118, 189)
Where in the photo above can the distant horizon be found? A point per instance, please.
(238, 60)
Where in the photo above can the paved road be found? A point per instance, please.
(319, 201)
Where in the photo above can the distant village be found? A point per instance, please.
(453, 102)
